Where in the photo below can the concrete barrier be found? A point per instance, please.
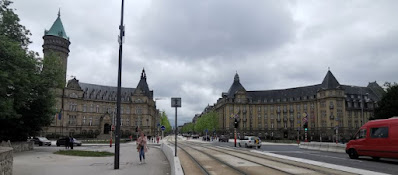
(322, 146)
(6, 160)
(175, 164)
(18, 146)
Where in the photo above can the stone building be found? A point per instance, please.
(279, 114)
(89, 110)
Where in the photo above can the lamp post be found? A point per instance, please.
(119, 84)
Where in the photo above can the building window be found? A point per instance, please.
(127, 110)
(272, 125)
(84, 121)
(265, 117)
(90, 123)
(96, 121)
(138, 110)
(127, 122)
(121, 122)
(72, 106)
(91, 108)
(72, 120)
(84, 108)
(298, 108)
(97, 109)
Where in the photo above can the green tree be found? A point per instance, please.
(165, 122)
(10, 27)
(27, 97)
(207, 121)
(388, 105)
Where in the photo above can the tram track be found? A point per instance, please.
(285, 166)
(208, 163)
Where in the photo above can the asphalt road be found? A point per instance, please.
(389, 166)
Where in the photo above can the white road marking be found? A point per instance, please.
(322, 164)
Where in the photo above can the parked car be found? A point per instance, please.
(223, 138)
(41, 141)
(206, 138)
(63, 140)
(250, 141)
(195, 136)
(377, 138)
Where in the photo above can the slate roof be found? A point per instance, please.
(57, 29)
(236, 86)
(143, 86)
(307, 92)
(330, 82)
(296, 93)
(108, 93)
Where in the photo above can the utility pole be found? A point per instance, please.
(119, 85)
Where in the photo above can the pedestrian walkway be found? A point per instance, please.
(42, 161)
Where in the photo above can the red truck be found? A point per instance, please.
(377, 138)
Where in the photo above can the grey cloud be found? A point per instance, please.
(192, 49)
(202, 29)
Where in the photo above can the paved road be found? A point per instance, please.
(384, 165)
(42, 161)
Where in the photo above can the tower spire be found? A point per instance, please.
(59, 12)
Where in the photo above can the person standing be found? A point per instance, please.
(66, 142)
(71, 142)
(142, 147)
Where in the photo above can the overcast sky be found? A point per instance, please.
(192, 49)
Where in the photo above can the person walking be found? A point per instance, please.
(142, 147)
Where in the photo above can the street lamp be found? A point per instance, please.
(119, 89)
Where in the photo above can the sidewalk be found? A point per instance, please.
(42, 161)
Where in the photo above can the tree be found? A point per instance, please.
(27, 97)
(10, 27)
(165, 122)
(207, 121)
(388, 105)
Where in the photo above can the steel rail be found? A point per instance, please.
(215, 158)
(196, 161)
(264, 157)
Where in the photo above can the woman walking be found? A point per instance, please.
(142, 147)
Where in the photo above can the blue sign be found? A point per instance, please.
(158, 124)
(163, 128)
(206, 130)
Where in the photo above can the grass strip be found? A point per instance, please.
(84, 153)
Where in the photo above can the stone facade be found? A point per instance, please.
(89, 110)
(6, 160)
(279, 114)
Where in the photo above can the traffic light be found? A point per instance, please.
(236, 123)
(305, 126)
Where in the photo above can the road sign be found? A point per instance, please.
(163, 128)
(158, 124)
(206, 130)
(176, 102)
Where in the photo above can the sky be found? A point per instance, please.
(192, 49)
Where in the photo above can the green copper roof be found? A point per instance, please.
(57, 29)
